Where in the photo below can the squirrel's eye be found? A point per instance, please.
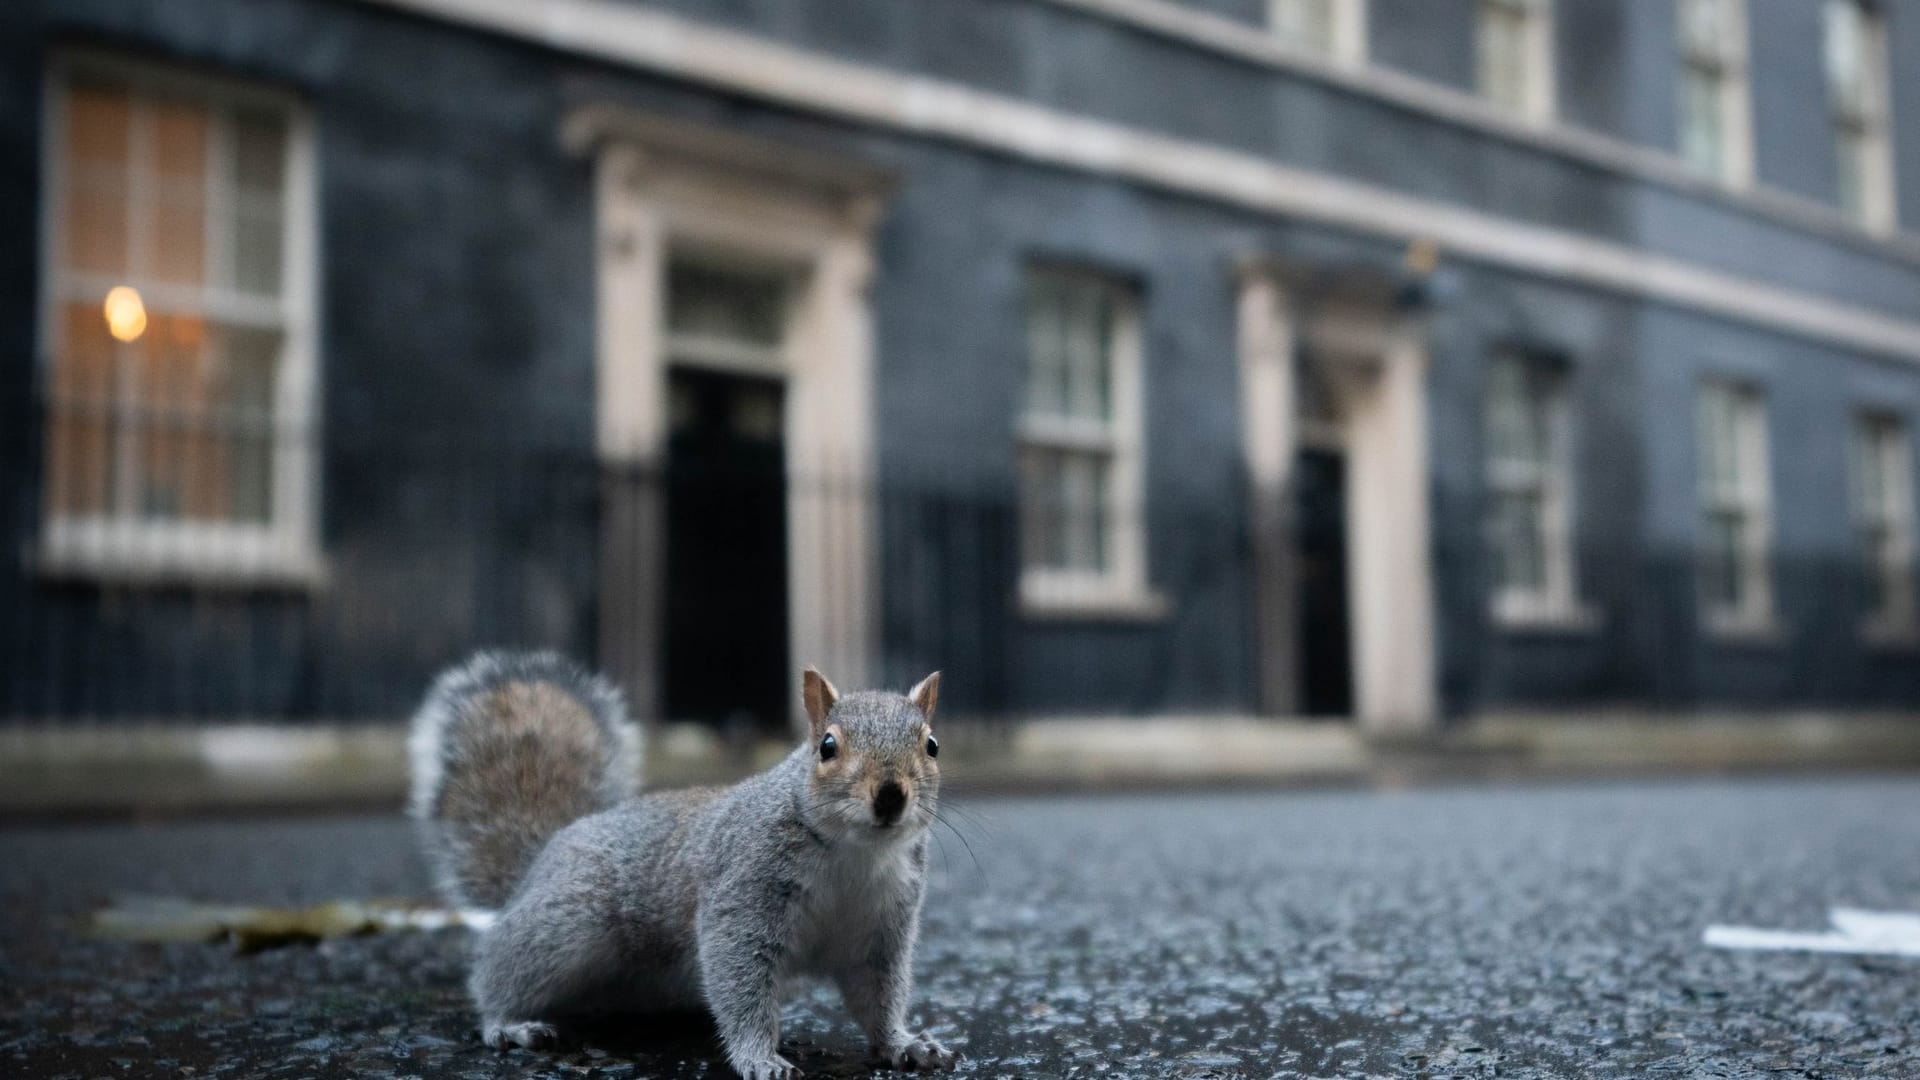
(933, 746)
(829, 746)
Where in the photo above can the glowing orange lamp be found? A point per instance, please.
(126, 313)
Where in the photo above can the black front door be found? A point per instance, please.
(726, 644)
(1320, 514)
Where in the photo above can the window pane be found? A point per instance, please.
(1046, 349)
(1721, 578)
(256, 232)
(1524, 467)
(1883, 518)
(202, 425)
(249, 377)
(259, 153)
(1705, 26)
(1880, 571)
(1043, 537)
(1870, 487)
(1846, 55)
(1732, 489)
(744, 306)
(1308, 23)
(256, 221)
(1856, 77)
(1503, 55)
(1521, 401)
(1505, 405)
(96, 179)
(1850, 149)
(1070, 347)
(171, 421)
(1084, 479)
(1064, 516)
(1702, 135)
(1519, 545)
(1086, 342)
(176, 176)
(1720, 465)
(97, 124)
(80, 472)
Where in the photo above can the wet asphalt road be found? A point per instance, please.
(1538, 932)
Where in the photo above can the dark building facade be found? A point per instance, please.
(1407, 360)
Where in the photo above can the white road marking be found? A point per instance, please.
(433, 918)
(1872, 933)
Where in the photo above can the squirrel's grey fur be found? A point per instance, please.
(524, 771)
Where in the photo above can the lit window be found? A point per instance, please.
(180, 363)
(1329, 28)
(1856, 61)
(1883, 516)
(1515, 55)
(1735, 505)
(1080, 514)
(1529, 490)
(1714, 103)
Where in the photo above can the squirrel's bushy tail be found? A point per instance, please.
(507, 749)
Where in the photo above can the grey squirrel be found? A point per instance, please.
(525, 785)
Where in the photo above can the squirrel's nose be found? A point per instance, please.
(889, 802)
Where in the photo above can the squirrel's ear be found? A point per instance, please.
(926, 694)
(818, 695)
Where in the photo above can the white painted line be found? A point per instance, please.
(1866, 933)
(433, 918)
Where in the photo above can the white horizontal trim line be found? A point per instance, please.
(195, 552)
(216, 302)
(796, 78)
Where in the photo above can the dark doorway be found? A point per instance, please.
(1320, 516)
(726, 642)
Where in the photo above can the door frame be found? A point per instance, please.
(663, 185)
(1375, 358)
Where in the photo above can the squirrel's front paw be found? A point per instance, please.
(531, 1034)
(773, 1067)
(918, 1052)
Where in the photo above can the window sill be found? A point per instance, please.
(194, 555)
(1557, 619)
(1103, 602)
(1734, 629)
(1882, 636)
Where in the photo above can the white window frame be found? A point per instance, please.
(1726, 63)
(1870, 121)
(114, 546)
(1536, 60)
(1751, 498)
(1120, 589)
(1556, 602)
(1889, 512)
(1346, 43)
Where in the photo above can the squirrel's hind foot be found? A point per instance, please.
(772, 1067)
(532, 1034)
(917, 1052)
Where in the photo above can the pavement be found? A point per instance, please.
(1514, 931)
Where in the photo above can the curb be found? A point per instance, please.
(150, 770)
